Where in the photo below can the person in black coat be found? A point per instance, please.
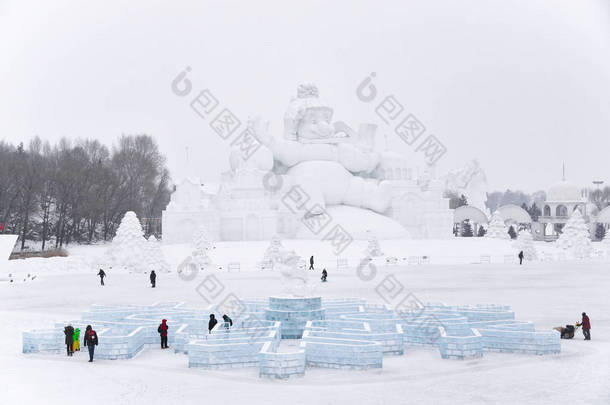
(69, 332)
(90, 341)
(102, 274)
(324, 275)
(212, 323)
(153, 278)
(311, 263)
(521, 257)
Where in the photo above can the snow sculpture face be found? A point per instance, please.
(316, 124)
(307, 117)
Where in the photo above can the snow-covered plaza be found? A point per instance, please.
(549, 294)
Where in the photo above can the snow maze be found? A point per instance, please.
(334, 333)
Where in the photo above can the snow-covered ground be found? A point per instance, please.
(548, 293)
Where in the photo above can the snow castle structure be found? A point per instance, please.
(317, 172)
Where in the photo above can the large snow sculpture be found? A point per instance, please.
(575, 237)
(497, 228)
(470, 181)
(339, 173)
(525, 243)
(128, 248)
(322, 156)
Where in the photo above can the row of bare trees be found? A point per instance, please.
(79, 191)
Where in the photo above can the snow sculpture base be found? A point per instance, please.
(294, 313)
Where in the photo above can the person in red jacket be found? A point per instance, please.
(162, 329)
(586, 326)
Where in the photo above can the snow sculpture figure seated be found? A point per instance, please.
(329, 161)
(295, 279)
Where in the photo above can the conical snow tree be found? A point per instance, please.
(497, 228)
(128, 248)
(202, 247)
(154, 254)
(373, 249)
(525, 243)
(575, 237)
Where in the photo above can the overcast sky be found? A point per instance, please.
(520, 85)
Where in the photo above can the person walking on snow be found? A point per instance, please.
(153, 278)
(69, 332)
(90, 341)
(586, 326)
(162, 329)
(102, 275)
(324, 275)
(212, 323)
(76, 342)
(521, 257)
(311, 263)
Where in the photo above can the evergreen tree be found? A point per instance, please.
(128, 248)
(575, 237)
(600, 232)
(466, 229)
(497, 228)
(534, 212)
(481, 232)
(154, 254)
(525, 243)
(462, 201)
(512, 233)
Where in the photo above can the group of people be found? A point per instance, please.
(73, 340)
(228, 322)
(153, 277)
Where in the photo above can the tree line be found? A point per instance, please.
(78, 191)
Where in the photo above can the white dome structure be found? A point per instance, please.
(564, 191)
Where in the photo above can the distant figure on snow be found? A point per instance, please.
(311, 263)
(90, 341)
(324, 275)
(162, 329)
(69, 332)
(212, 323)
(586, 326)
(102, 275)
(228, 321)
(521, 257)
(153, 278)
(76, 341)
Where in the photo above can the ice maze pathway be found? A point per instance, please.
(342, 333)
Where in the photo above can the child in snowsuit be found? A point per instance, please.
(76, 342)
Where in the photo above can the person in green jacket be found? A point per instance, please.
(76, 344)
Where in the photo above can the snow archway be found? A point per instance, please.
(465, 212)
(514, 213)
